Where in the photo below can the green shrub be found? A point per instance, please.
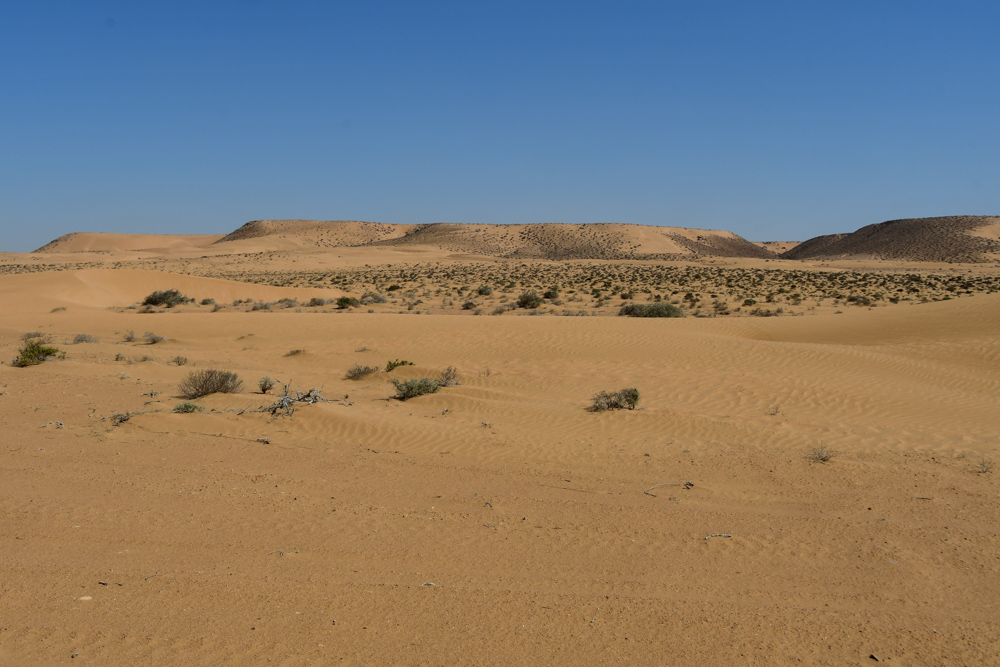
(626, 399)
(187, 407)
(345, 302)
(34, 352)
(529, 299)
(396, 364)
(651, 310)
(203, 383)
(208, 302)
(168, 298)
(484, 291)
(316, 301)
(469, 305)
(407, 389)
(551, 294)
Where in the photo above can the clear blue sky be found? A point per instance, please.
(776, 120)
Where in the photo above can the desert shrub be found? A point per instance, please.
(32, 334)
(288, 303)
(295, 352)
(168, 298)
(152, 338)
(651, 310)
(407, 389)
(625, 399)
(357, 371)
(449, 378)
(316, 302)
(392, 288)
(208, 302)
(469, 305)
(396, 364)
(179, 360)
(83, 338)
(34, 352)
(265, 384)
(371, 297)
(346, 302)
(860, 300)
(984, 465)
(749, 302)
(766, 312)
(261, 305)
(187, 407)
(484, 291)
(529, 299)
(129, 336)
(203, 383)
(821, 454)
(551, 294)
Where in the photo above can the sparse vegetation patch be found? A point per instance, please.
(211, 381)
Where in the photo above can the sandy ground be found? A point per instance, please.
(498, 521)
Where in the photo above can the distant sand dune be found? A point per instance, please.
(544, 241)
(960, 238)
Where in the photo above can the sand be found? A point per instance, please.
(497, 521)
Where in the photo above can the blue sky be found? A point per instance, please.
(776, 120)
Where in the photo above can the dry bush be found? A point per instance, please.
(179, 360)
(625, 399)
(449, 378)
(265, 384)
(211, 381)
(984, 466)
(407, 389)
(821, 454)
(129, 336)
(296, 351)
(83, 338)
(152, 338)
(357, 371)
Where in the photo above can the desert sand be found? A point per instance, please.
(497, 521)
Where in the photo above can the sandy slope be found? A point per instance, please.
(102, 241)
(498, 522)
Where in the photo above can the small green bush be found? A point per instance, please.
(484, 291)
(626, 399)
(396, 364)
(407, 389)
(469, 305)
(346, 302)
(651, 310)
(208, 302)
(529, 299)
(316, 302)
(34, 352)
(168, 298)
(203, 383)
(187, 407)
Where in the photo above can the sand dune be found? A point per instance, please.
(944, 239)
(549, 241)
(497, 521)
(95, 242)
